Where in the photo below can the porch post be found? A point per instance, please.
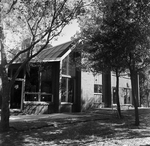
(60, 79)
(23, 89)
(40, 82)
(22, 95)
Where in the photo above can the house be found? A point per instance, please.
(99, 90)
(52, 83)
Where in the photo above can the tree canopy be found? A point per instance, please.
(119, 27)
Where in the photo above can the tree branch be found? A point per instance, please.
(11, 7)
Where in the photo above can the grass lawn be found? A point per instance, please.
(94, 131)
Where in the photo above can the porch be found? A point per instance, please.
(49, 84)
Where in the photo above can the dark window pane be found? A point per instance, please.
(47, 97)
(64, 66)
(20, 75)
(46, 79)
(67, 90)
(32, 80)
(97, 88)
(114, 96)
(31, 97)
(126, 96)
(64, 90)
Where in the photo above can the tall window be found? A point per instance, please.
(126, 96)
(46, 81)
(32, 80)
(67, 90)
(67, 82)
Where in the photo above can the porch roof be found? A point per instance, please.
(54, 53)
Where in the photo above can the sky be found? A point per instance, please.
(68, 32)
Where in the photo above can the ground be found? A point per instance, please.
(93, 128)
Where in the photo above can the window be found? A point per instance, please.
(32, 80)
(97, 88)
(46, 81)
(68, 66)
(39, 84)
(12, 71)
(31, 96)
(37, 96)
(126, 96)
(67, 81)
(65, 66)
(114, 95)
(67, 90)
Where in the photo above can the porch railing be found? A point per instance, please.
(38, 96)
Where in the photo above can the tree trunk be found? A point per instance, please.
(106, 82)
(137, 89)
(5, 103)
(117, 95)
(147, 99)
(133, 84)
(5, 92)
(5, 83)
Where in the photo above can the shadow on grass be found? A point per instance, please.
(77, 133)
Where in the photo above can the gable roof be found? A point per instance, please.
(54, 53)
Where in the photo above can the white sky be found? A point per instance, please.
(68, 32)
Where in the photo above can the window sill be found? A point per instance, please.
(38, 102)
(97, 93)
(66, 103)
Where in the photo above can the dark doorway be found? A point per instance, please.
(16, 95)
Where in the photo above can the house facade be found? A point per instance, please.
(52, 83)
(99, 90)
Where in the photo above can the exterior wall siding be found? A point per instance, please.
(87, 82)
(91, 99)
(88, 98)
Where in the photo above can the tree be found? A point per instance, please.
(39, 21)
(144, 79)
(132, 20)
(100, 45)
(124, 28)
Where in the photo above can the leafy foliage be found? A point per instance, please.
(40, 21)
(117, 34)
(32, 24)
